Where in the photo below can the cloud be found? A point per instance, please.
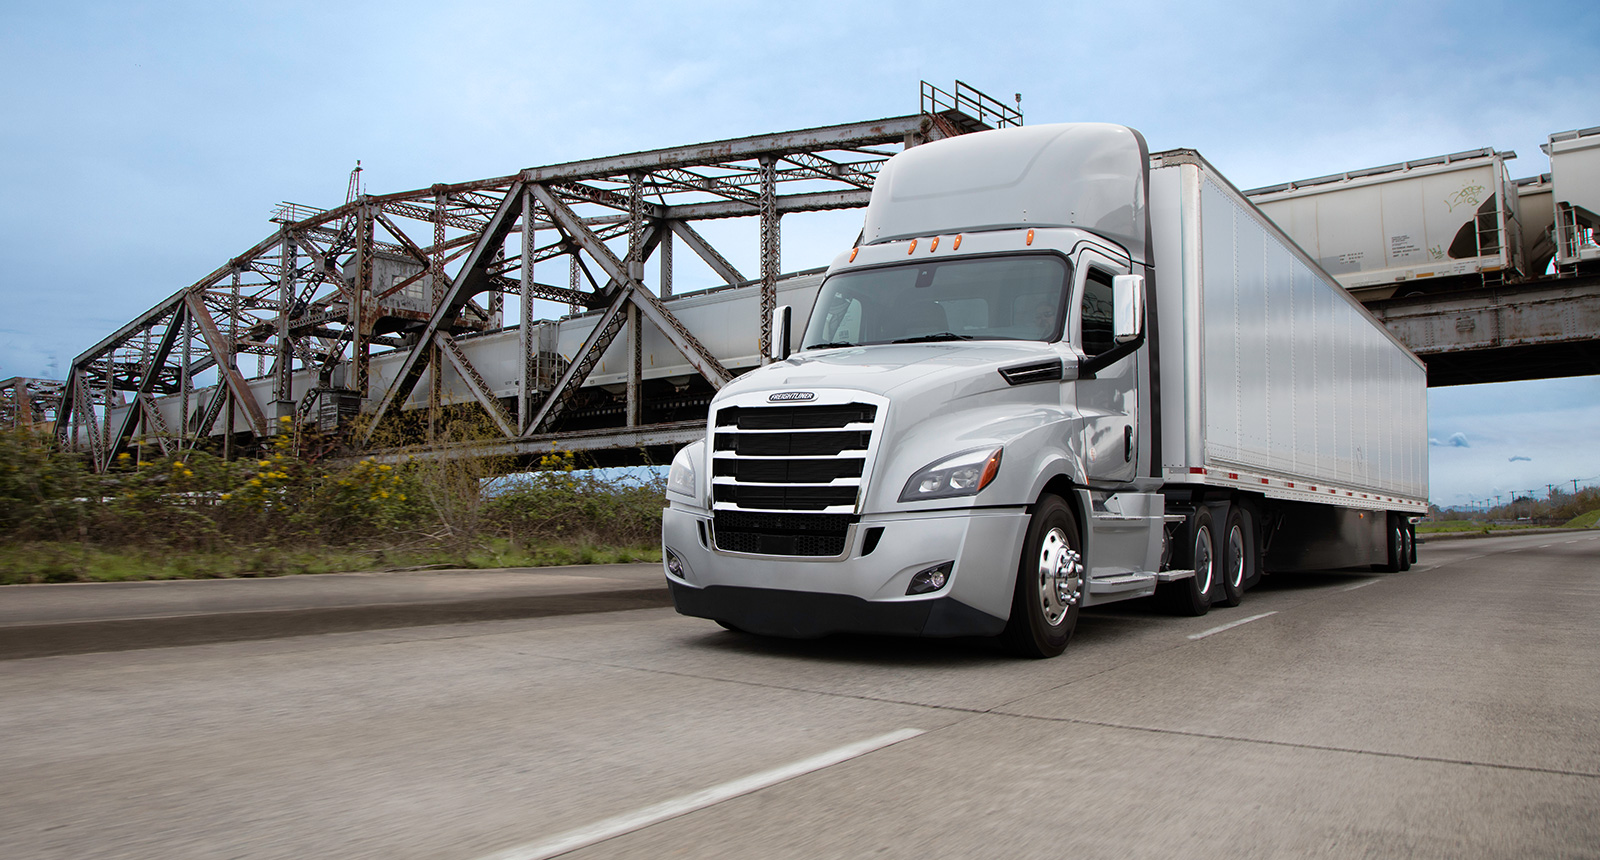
(1520, 457)
(1456, 440)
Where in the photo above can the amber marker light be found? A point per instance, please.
(934, 245)
(913, 247)
(956, 245)
(990, 468)
(853, 253)
(1030, 237)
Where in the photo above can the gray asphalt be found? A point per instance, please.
(1451, 711)
(77, 618)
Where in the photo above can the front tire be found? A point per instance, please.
(1050, 583)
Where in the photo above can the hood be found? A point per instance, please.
(898, 371)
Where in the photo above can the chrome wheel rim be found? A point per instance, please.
(1202, 560)
(1060, 576)
(1236, 557)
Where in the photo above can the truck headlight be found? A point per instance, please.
(962, 474)
(681, 477)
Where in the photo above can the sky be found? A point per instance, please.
(144, 144)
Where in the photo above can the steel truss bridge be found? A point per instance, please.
(417, 278)
(418, 271)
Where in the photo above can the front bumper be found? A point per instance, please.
(859, 591)
(807, 615)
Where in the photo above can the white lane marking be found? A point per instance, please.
(631, 821)
(1361, 585)
(1232, 625)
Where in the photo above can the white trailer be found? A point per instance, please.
(1055, 372)
(1408, 227)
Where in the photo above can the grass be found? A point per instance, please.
(1463, 526)
(60, 562)
(1585, 521)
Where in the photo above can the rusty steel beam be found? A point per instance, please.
(698, 244)
(480, 389)
(890, 130)
(472, 277)
(699, 358)
(138, 405)
(812, 202)
(1539, 329)
(588, 355)
(229, 369)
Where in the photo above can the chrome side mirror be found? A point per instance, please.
(1127, 307)
(778, 347)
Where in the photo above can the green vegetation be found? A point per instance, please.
(1561, 509)
(1589, 520)
(1463, 526)
(196, 515)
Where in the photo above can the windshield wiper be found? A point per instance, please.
(929, 338)
(842, 343)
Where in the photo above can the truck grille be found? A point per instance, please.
(786, 480)
(782, 534)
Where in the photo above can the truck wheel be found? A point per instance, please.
(1408, 545)
(1050, 583)
(1238, 557)
(1192, 596)
(1395, 538)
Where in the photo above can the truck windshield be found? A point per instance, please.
(1019, 297)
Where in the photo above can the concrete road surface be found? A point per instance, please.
(1452, 711)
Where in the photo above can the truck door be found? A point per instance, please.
(1108, 402)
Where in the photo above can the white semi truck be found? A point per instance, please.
(1056, 371)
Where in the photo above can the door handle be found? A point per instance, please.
(1127, 443)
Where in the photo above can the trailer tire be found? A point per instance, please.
(1238, 556)
(1408, 545)
(1192, 595)
(1050, 583)
(1394, 537)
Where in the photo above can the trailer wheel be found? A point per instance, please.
(1238, 557)
(1394, 536)
(1408, 545)
(1192, 595)
(1050, 583)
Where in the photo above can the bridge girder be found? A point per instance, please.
(1535, 330)
(330, 285)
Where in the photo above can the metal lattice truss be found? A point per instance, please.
(415, 271)
(29, 403)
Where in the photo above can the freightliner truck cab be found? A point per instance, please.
(963, 443)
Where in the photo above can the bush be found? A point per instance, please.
(564, 504)
(195, 514)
